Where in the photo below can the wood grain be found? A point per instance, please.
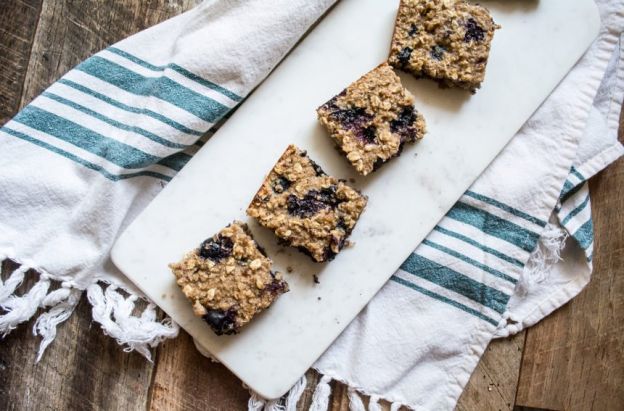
(186, 380)
(82, 369)
(492, 385)
(574, 359)
(18, 21)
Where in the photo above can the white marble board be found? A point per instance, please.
(538, 44)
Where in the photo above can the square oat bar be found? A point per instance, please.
(228, 279)
(305, 207)
(445, 40)
(372, 119)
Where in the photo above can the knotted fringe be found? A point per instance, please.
(110, 309)
(20, 308)
(256, 403)
(546, 254)
(114, 312)
(320, 398)
(373, 403)
(63, 302)
(295, 394)
(355, 402)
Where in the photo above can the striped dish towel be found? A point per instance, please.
(99, 144)
(514, 248)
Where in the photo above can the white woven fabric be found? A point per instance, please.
(99, 144)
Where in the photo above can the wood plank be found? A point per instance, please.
(82, 369)
(18, 21)
(186, 380)
(492, 386)
(69, 31)
(574, 359)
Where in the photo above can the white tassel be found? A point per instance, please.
(295, 393)
(20, 309)
(274, 405)
(373, 403)
(355, 402)
(547, 254)
(114, 313)
(395, 406)
(320, 398)
(63, 302)
(10, 285)
(256, 403)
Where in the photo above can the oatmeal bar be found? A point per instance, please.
(445, 40)
(305, 207)
(372, 119)
(228, 279)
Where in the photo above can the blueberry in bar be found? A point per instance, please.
(228, 279)
(445, 40)
(305, 207)
(372, 119)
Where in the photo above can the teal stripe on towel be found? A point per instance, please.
(576, 173)
(470, 261)
(487, 249)
(443, 299)
(161, 87)
(114, 151)
(576, 211)
(186, 73)
(130, 109)
(82, 161)
(585, 234)
(456, 282)
(494, 226)
(505, 207)
(175, 161)
(114, 123)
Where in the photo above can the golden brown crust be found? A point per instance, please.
(228, 279)
(305, 207)
(446, 40)
(372, 119)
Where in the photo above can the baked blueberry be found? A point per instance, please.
(228, 279)
(216, 248)
(372, 119)
(316, 213)
(448, 41)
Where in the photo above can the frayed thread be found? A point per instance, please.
(320, 398)
(16, 279)
(543, 258)
(114, 313)
(256, 403)
(355, 402)
(295, 394)
(373, 403)
(20, 308)
(274, 405)
(63, 302)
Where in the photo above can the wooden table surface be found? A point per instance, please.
(573, 360)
